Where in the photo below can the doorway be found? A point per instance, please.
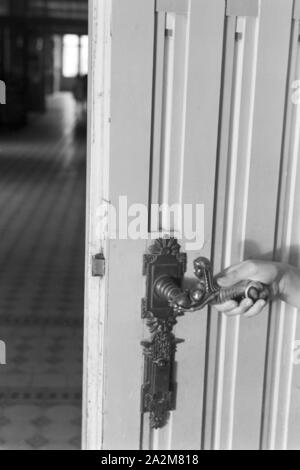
(42, 226)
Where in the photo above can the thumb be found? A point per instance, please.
(227, 280)
(232, 276)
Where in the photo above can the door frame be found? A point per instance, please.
(98, 153)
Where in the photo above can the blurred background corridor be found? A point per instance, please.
(44, 64)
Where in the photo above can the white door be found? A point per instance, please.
(191, 103)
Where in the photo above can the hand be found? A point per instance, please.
(272, 274)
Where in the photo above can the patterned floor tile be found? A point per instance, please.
(42, 225)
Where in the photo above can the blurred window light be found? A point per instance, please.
(4, 9)
(75, 55)
(84, 53)
(70, 55)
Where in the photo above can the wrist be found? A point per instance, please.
(289, 285)
(283, 283)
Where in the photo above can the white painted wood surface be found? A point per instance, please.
(97, 191)
(172, 6)
(240, 8)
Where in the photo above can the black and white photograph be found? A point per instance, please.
(149, 227)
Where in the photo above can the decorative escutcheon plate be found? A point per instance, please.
(159, 388)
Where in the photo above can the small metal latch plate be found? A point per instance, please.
(98, 265)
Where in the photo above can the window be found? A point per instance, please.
(84, 52)
(4, 7)
(75, 55)
(70, 55)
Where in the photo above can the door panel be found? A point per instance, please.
(246, 228)
(185, 174)
(190, 104)
(289, 327)
(206, 30)
(185, 126)
(281, 422)
(131, 92)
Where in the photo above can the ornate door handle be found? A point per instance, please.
(208, 292)
(166, 299)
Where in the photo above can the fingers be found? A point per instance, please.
(257, 308)
(241, 308)
(246, 308)
(227, 306)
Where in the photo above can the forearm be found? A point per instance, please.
(290, 291)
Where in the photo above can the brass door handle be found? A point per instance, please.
(208, 292)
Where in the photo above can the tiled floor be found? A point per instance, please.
(42, 210)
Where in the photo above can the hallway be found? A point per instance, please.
(42, 229)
